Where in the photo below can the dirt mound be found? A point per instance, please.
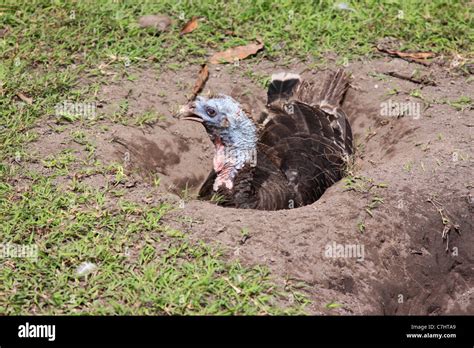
(394, 237)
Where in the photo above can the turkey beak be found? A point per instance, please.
(187, 112)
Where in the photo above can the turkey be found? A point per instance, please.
(299, 150)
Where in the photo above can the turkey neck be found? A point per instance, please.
(235, 147)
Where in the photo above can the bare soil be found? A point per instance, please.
(413, 171)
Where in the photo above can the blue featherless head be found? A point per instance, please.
(223, 119)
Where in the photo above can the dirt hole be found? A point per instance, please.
(180, 153)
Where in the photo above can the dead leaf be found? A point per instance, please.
(201, 80)
(159, 22)
(26, 99)
(236, 53)
(418, 57)
(190, 26)
(413, 55)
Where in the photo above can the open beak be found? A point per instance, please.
(187, 113)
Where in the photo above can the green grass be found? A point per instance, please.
(142, 267)
(52, 46)
(460, 104)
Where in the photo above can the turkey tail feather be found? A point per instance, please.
(282, 87)
(334, 89)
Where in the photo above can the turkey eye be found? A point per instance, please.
(211, 112)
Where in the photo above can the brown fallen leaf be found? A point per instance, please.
(201, 80)
(190, 26)
(236, 53)
(418, 57)
(26, 99)
(413, 55)
(159, 22)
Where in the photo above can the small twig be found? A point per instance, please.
(422, 81)
(416, 60)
